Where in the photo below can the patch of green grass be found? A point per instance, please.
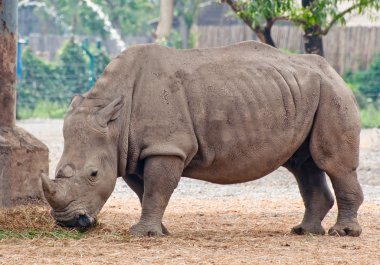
(42, 110)
(33, 234)
(370, 116)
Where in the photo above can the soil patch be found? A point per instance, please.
(227, 232)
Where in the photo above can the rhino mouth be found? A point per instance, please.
(82, 222)
(74, 219)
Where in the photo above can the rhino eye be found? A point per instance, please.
(94, 173)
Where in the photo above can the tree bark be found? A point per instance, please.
(313, 42)
(166, 19)
(268, 36)
(8, 51)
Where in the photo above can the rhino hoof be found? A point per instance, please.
(345, 230)
(146, 230)
(304, 229)
(164, 230)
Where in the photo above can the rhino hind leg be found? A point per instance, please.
(337, 155)
(161, 177)
(137, 185)
(315, 193)
(349, 197)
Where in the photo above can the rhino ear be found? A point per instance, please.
(110, 112)
(76, 100)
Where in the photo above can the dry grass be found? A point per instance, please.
(203, 232)
(35, 222)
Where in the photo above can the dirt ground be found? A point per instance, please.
(211, 224)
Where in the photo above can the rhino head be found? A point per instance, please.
(87, 171)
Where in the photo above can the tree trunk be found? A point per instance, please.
(313, 43)
(166, 19)
(8, 51)
(312, 39)
(265, 36)
(268, 36)
(184, 31)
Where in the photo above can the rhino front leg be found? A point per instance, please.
(161, 177)
(137, 185)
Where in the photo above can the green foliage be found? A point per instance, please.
(74, 67)
(370, 116)
(129, 17)
(173, 40)
(35, 233)
(318, 15)
(101, 61)
(46, 88)
(193, 40)
(323, 14)
(39, 79)
(367, 82)
(259, 11)
(189, 9)
(366, 88)
(43, 109)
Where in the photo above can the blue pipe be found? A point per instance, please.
(91, 66)
(20, 43)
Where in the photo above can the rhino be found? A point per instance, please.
(224, 115)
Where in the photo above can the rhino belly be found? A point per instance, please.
(248, 127)
(241, 158)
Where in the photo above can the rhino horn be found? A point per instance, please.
(51, 191)
(110, 112)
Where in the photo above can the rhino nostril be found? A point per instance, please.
(66, 171)
(59, 174)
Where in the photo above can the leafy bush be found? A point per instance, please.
(73, 67)
(46, 88)
(367, 82)
(40, 80)
(370, 116)
(43, 109)
(101, 61)
(366, 87)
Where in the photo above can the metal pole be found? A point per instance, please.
(8, 51)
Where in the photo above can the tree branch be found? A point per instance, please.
(340, 15)
(236, 9)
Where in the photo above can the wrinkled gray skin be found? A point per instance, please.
(225, 115)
